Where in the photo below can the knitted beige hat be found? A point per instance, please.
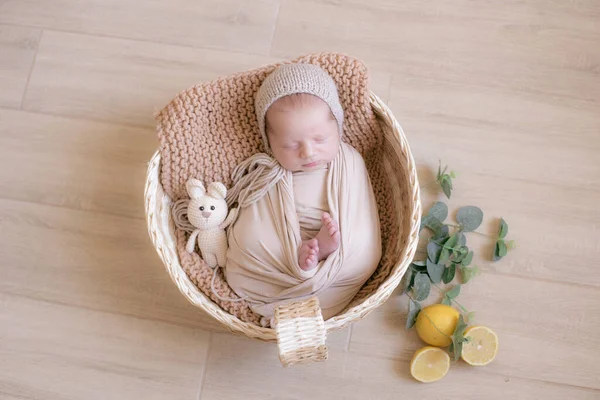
(290, 79)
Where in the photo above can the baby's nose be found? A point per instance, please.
(206, 214)
(307, 151)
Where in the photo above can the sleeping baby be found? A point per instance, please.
(308, 223)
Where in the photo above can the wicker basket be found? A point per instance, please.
(299, 328)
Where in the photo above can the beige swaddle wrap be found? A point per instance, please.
(262, 260)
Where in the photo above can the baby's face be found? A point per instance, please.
(303, 138)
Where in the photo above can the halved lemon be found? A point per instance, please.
(429, 364)
(482, 347)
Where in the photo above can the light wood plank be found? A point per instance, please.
(234, 25)
(505, 133)
(17, 51)
(141, 77)
(74, 163)
(578, 15)
(239, 368)
(92, 260)
(120, 81)
(380, 83)
(50, 351)
(546, 330)
(544, 47)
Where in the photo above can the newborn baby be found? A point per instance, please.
(303, 135)
(308, 222)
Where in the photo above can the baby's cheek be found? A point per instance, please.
(284, 158)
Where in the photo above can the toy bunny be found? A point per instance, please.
(207, 212)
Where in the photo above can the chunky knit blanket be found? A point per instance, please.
(207, 130)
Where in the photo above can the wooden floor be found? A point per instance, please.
(507, 93)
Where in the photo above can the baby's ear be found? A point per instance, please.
(195, 188)
(217, 190)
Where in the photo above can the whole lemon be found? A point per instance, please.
(445, 319)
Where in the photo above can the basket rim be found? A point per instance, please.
(155, 197)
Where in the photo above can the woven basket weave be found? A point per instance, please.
(299, 328)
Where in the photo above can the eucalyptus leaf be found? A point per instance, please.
(503, 229)
(459, 332)
(420, 267)
(449, 274)
(458, 337)
(446, 301)
(446, 177)
(470, 317)
(413, 311)
(458, 259)
(498, 250)
(461, 326)
(446, 186)
(433, 251)
(454, 292)
(433, 224)
(444, 256)
(422, 286)
(442, 233)
(439, 211)
(455, 349)
(430, 222)
(408, 280)
(502, 250)
(434, 218)
(455, 253)
(469, 217)
(468, 259)
(435, 271)
(468, 273)
(462, 239)
(460, 254)
(412, 280)
(419, 263)
(452, 240)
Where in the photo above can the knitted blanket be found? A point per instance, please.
(207, 130)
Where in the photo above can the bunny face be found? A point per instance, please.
(207, 209)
